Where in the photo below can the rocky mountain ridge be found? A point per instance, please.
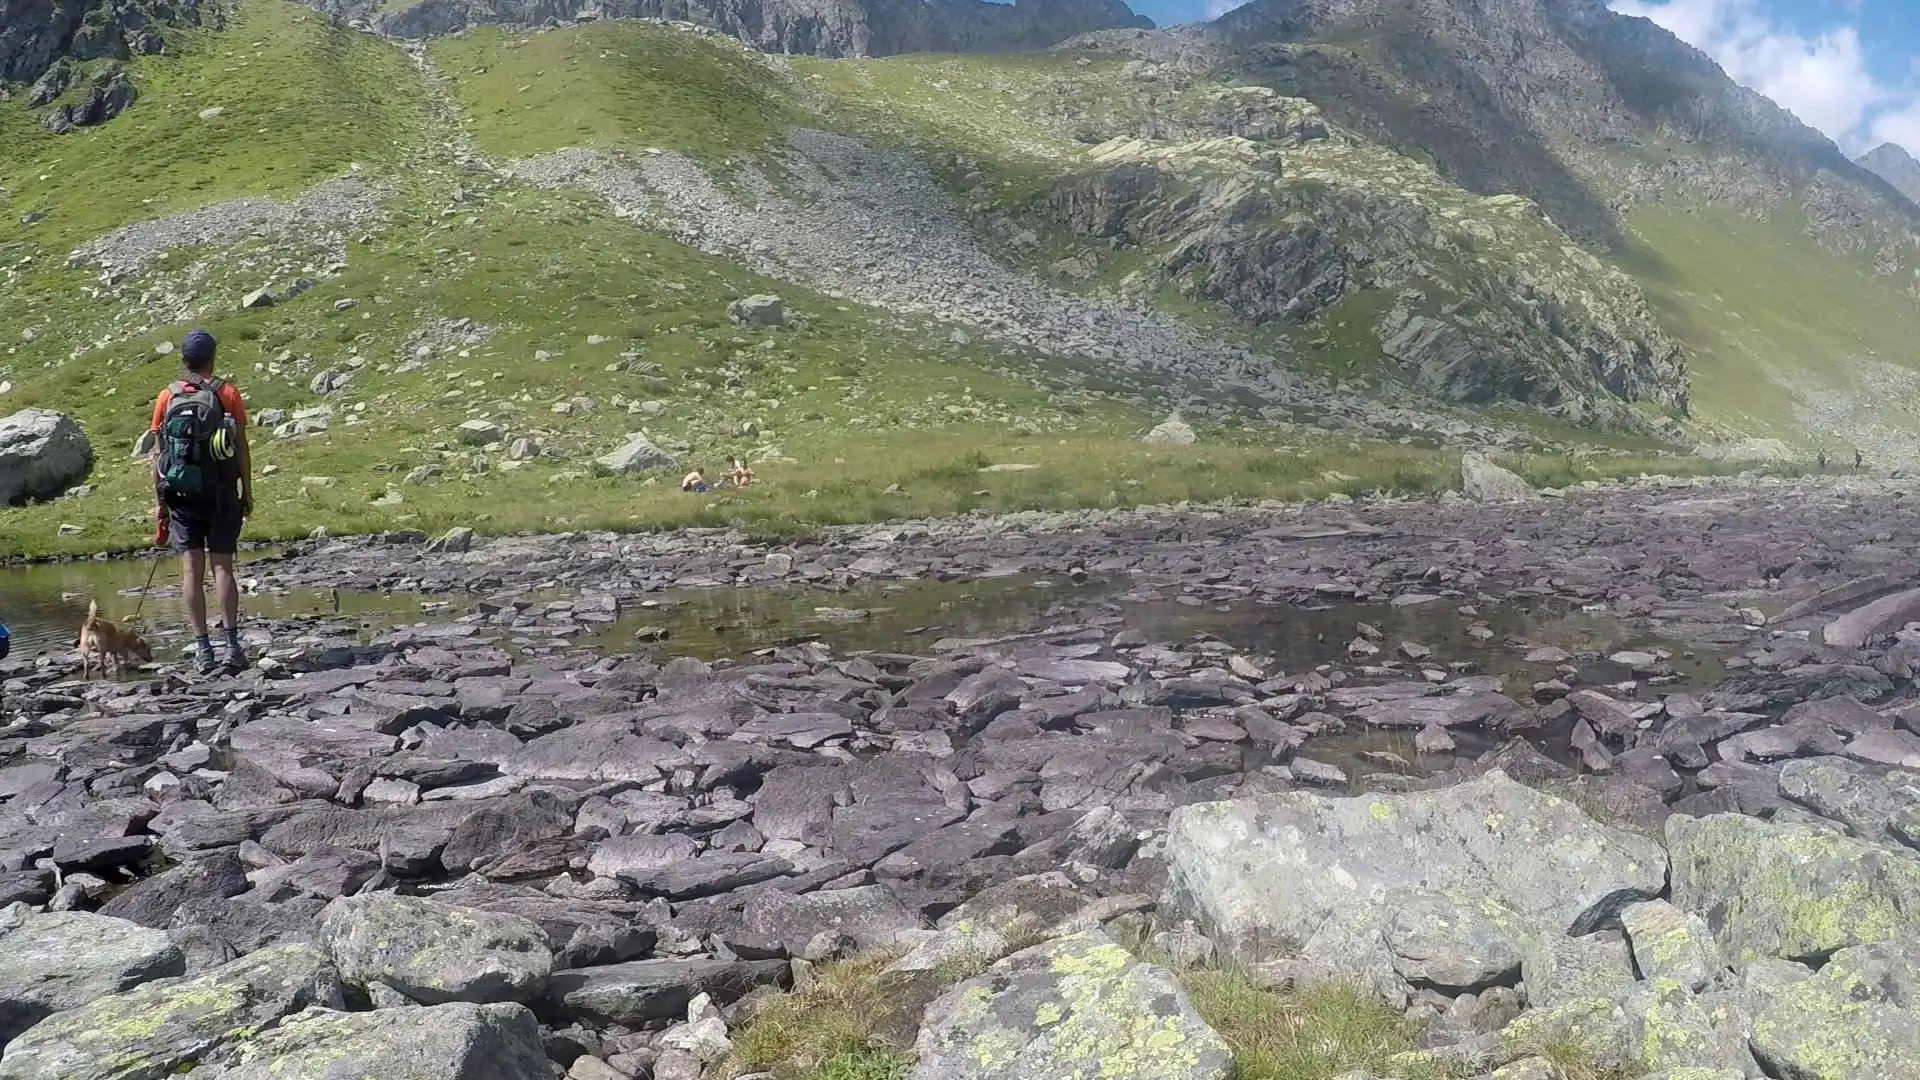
(1565, 101)
(836, 28)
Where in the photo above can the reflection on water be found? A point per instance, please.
(907, 616)
(43, 604)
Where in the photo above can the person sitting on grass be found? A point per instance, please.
(693, 482)
(742, 476)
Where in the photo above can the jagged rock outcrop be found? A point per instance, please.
(1285, 227)
(1892, 163)
(36, 34)
(110, 94)
(802, 27)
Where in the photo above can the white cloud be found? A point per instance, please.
(1822, 79)
(1217, 8)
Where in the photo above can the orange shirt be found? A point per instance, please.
(229, 399)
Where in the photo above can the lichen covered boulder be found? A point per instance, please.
(1078, 1006)
(1671, 944)
(63, 960)
(461, 1041)
(159, 1028)
(1268, 875)
(1858, 1019)
(1789, 890)
(436, 953)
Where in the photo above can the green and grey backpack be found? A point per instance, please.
(196, 443)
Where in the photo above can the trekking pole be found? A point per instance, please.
(151, 570)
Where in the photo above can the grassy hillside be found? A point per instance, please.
(544, 314)
(1785, 339)
(615, 86)
(298, 99)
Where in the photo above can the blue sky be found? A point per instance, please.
(1850, 68)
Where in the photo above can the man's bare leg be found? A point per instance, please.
(193, 576)
(226, 588)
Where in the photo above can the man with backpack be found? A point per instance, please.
(203, 490)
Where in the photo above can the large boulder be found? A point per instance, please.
(1317, 874)
(1789, 890)
(1858, 1019)
(637, 454)
(42, 454)
(760, 309)
(63, 960)
(162, 1027)
(1483, 481)
(436, 953)
(1074, 1006)
(458, 1041)
(1172, 431)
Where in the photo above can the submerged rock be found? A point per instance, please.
(1075, 1006)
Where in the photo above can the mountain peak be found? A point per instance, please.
(1892, 163)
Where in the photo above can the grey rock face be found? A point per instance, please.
(36, 34)
(63, 960)
(1079, 1005)
(436, 953)
(1273, 870)
(108, 95)
(169, 1025)
(42, 454)
(444, 1042)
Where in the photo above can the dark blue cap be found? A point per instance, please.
(197, 348)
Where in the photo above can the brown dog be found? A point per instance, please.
(111, 641)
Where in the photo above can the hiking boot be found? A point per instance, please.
(204, 659)
(236, 662)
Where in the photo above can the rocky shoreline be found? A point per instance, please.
(436, 851)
